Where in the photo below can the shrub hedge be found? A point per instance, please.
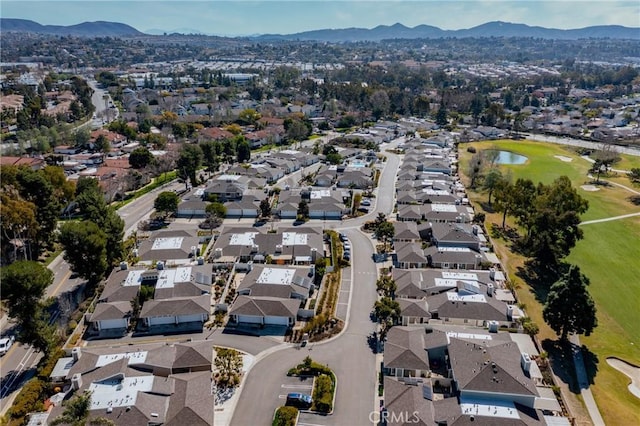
(285, 416)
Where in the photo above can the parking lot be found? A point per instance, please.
(294, 384)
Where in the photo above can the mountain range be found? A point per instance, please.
(85, 29)
(489, 29)
(381, 32)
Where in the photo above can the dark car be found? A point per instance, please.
(299, 400)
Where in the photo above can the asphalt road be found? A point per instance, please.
(349, 354)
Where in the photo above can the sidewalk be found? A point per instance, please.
(583, 382)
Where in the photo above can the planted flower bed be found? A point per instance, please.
(324, 385)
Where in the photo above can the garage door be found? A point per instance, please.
(114, 323)
(162, 320)
(190, 318)
(249, 319)
(276, 320)
(249, 213)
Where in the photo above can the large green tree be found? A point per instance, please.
(76, 413)
(303, 210)
(243, 151)
(385, 232)
(569, 307)
(491, 181)
(94, 208)
(23, 285)
(140, 158)
(554, 229)
(85, 248)
(387, 311)
(265, 208)
(166, 202)
(36, 188)
(189, 161)
(18, 223)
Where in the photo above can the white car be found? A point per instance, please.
(5, 344)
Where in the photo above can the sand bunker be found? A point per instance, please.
(590, 188)
(563, 158)
(629, 370)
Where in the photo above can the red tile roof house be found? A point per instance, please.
(214, 133)
(115, 139)
(34, 163)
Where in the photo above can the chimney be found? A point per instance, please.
(76, 381)
(160, 265)
(217, 253)
(489, 289)
(123, 266)
(314, 255)
(76, 353)
(525, 363)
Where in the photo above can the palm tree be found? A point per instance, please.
(76, 413)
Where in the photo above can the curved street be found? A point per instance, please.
(348, 354)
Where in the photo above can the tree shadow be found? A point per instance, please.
(561, 356)
(488, 208)
(508, 234)
(635, 200)
(561, 361)
(540, 278)
(591, 362)
(372, 342)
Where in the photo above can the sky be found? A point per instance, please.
(243, 17)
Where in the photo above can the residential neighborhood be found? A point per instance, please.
(221, 231)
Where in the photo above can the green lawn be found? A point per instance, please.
(609, 255)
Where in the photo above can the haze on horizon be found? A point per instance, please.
(236, 18)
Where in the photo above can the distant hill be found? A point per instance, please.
(490, 29)
(381, 32)
(85, 29)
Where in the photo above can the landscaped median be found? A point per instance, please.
(286, 416)
(324, 384)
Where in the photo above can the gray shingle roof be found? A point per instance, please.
(113, 310)
(489, 368)
(265, 306)
(177, 306)
(404, 348)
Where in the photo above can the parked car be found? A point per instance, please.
(5, 344)
(365, 202)
(299, 400)
(343, 237)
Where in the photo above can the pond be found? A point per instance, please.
(507, 157)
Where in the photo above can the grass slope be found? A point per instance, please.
(609, 255)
